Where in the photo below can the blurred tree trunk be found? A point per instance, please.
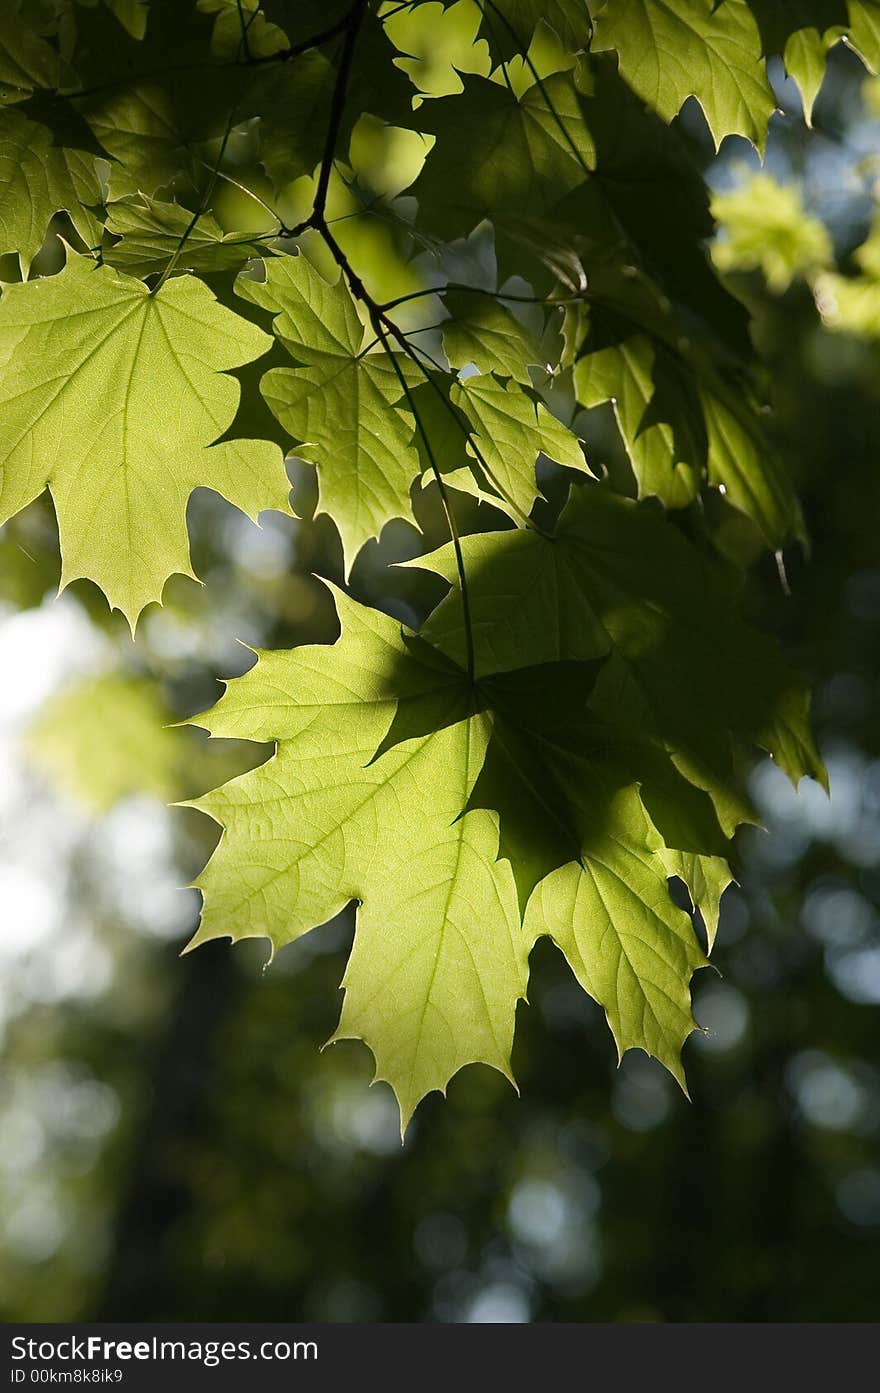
(181, 1074)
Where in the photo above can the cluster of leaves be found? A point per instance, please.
(417, 244)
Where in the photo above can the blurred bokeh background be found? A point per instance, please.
(172, 1143)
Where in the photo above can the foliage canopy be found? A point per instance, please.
(420, 245)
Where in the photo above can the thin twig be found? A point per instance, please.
(354, 19)
(479, 290)
(283, 55)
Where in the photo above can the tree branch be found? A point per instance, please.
(353, 22)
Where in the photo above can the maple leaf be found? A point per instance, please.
(864, 31)
(509, 25)
(705, 877)
(552, 766)
(497, 153)
(342, 406)
(38, 180)
(681, 421)
(692, 48)
(617, 581)
(646, 206)
(27, 61)
(484, 332)
(152, 232)
(801, 32)
(665, 445)
(439, 959)
(508, 431)
(377, 791)
(112, 397)
(292, 140)
(629, 946)
(140, 130)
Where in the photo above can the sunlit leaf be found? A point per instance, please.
(112, 397)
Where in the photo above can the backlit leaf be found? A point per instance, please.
(112, 398)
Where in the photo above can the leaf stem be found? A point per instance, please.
(203, 202)
(539, 82)
(385, 328)
(245, 26)
(445, 501)
(379, 316)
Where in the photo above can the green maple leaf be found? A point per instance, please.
(291, 140)
(499, 154)
(439, 959)
(519, 779)
(542, 763)
(374, 793)
(655, 418)
(628, 945)
(801, 32)
(437, 43)
(345, 408)
(706, 879)
(570, 793)
(152, 232)
(578, 802)
(618, 582)
(678, 430)
(632, 231)
(681, 421)
(241, 30)
(112, 397)
(138, 127)
(805, 56)
(670, 51)
(27, 61)
(444, 429)
(508, 432)
(485, 332)
(133, 15)
(292, 103)
(739, 458)
(509, 25)
(38, 180)
(159, 126)
(864, 31)
(573, 793)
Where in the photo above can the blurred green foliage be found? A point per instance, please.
(104, 737)
(764, 227)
